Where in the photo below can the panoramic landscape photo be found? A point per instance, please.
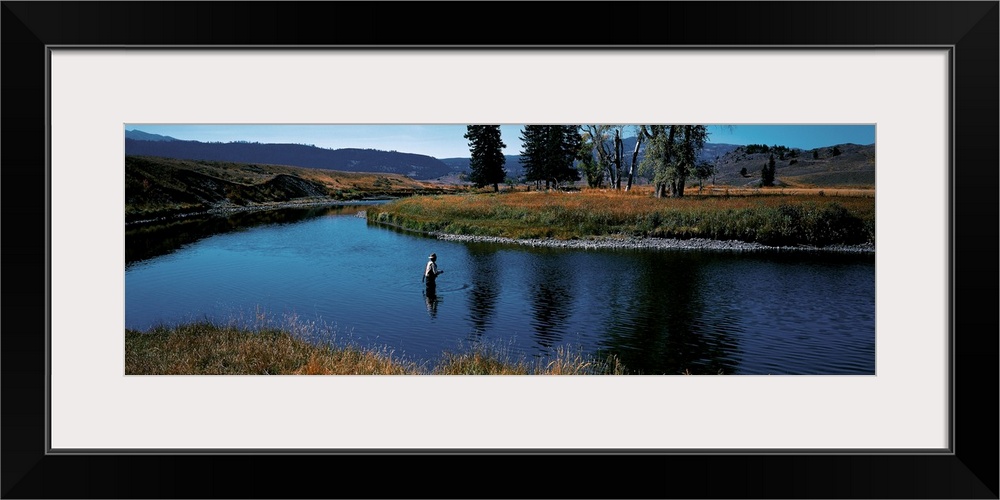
(514, 249)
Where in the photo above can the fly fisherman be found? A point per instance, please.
(431, 272)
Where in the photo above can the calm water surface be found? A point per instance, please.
(662, 312)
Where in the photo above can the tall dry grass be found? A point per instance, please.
(774, 219)
(208, 349)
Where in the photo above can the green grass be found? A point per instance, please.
(207, 349)
(770, 219)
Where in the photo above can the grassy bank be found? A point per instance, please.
(768, 218)
(207, 349)
(166, 187)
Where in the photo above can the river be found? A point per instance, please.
(331, 276)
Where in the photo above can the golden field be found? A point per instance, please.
(769, 216)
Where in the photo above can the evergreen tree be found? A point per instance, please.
(549, 152)
(487, 160)
(532, 153)
(767, 173)
(567, 141)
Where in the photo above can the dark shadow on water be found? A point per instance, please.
(485, 286)
(149, 240)
(431, 299)
(660, 326)
(551, 284)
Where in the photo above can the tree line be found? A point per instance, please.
(550, 155)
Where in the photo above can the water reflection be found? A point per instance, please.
(431, 300)
(484, 270)
(550, 281)
(152, 239)
(665, 325)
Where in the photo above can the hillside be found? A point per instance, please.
(415, 166)
(157, 187)
(854, 166)
(512, 165)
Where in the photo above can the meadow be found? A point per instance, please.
(777, 216)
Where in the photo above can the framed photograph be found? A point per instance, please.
(923, 74)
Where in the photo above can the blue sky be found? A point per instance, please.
(793, 136)
(447, 141)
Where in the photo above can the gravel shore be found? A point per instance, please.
(631, 243)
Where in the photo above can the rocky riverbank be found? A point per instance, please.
(633, 243)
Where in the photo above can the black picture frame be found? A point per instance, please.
(969, 471)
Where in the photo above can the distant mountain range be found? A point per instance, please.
(415, 166)
(854, 165)
(145, 136)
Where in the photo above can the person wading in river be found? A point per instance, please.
(431, 272)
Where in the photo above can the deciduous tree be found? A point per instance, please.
(703, 170)
(659, 155)
(590, 165)
(671, 152)
(608, 148)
